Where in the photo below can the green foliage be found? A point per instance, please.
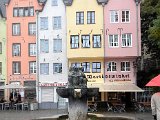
(150, 26)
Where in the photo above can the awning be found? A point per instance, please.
(115, 87)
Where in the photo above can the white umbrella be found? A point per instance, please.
(12, 86)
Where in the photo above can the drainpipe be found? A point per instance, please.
(37, 56)
(103, 5)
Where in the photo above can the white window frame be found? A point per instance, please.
(126, 68)
(86, 67)
(16, 29)
(96, 67)
(32, 28)
(57, 22)
(57, 68)
(85, 41)
(113, 14)
(111, 65)
(16, 67)
(32, 49)
(79, 17)
(44, 68)
(54, 2)
(96, 41)
(76, 64)
(114, 42)
(42, 45)
(125, 19)
(32, 67)
(57, 45)
(44, 23)
(126, 40)
(74, 41)
(90, 17)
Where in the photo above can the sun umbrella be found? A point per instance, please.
(154, 82)
(12, 86)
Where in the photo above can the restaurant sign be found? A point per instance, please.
(52, 84)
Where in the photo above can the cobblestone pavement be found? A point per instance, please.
(29, 115)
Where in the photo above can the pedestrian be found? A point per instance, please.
(155, 105)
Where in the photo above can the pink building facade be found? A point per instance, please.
(21, 44)
(122, 39)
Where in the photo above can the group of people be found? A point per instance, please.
(15, 98)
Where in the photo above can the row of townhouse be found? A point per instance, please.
(49, 36)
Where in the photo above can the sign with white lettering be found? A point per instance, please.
(52, 84)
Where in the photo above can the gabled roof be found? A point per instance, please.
(3, 8)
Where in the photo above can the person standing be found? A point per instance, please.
(155, 105)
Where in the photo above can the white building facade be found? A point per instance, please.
(51, 54)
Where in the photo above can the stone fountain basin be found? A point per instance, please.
(90, 117)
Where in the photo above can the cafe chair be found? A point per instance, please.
(26, 106)
(6, 106)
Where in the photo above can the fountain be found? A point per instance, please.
(77, 93)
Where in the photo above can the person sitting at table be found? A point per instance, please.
(2, 100)
(19, 97)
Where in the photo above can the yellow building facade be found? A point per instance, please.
(85, 42)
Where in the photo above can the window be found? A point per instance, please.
(44, 46)
(111, 66)
(57, 67)
(16, 49)
(32, 49)
(86, 67)
(44, 23)
(31, 11)
(32, 28)
(15, 12)
(57, 45)
(1, 68)
(96, 41)
(79, 17)
(0, 47)
(16, 29)
(57, 22)
(126, 40)
(21, 12)
(74, 41)
(16, 67)
(76, 64)
(125, 66)
(96, 67)
(113, 40)
(54, 3)
(26, 12)
(90, 17)
(114, 16)
(125, 16)
(32, 67)
(44, 68)
(85, 41)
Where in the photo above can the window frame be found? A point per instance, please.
(1, 48)
(57, 66)
(55, 45)
(46, 72)
(33, 67)
(96, 41)
(1, 68)
(58, 22)
(43, 48)
(85, 40)
(53, 2)
(76, 64)
(18, 33)
(113, 42)
(114, 16)
(18, 72)
(90, 20)
(75, 43)
(96, 68)
(33, 30)
(111, 65)
(126, 40)
(80, 19)
(125, 66)
(86, 67)
(19, 52)
(34, 51)
(125, 21)
(42, 23)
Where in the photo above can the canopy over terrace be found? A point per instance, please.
(12, 86)
(115, 87)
